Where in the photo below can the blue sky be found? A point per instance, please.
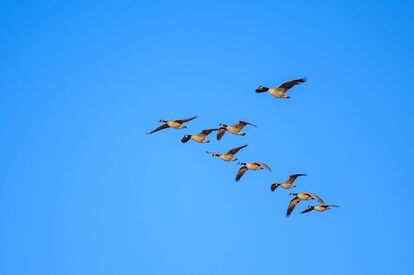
(83, 189)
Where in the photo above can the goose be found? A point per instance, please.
(200, 137)
(321, 207)
(250, 166)
(287, 184)
(235, 129)
(175, 123)
(280, 92)
(302, 196)
(229, 156)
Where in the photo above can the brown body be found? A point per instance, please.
(302, 196)
(280, 92)
(236, 129)
(200, 137)
(229, 156)
(250, 166)
(175, 123)
(321, 207)
(287, 184)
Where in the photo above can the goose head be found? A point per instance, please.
(261, 89)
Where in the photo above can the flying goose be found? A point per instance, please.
(280, 92)
(302, 196)
(200, 137)
(287, 184)
(175, 123)
(321, 207)
(250, 166)
(235, 129)
(229, 156)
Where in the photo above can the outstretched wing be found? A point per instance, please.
(182, 120)
(241, 172)
(289, 84)
(264, 165)
(208, 131)
(315, 197)
(240, 124)
(221, 132)
(308, 209)
(292, 204)
(235, 150)
(163, 126)
(293, 177)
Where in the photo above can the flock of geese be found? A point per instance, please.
(237, 129)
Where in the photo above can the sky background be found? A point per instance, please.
(84, 190)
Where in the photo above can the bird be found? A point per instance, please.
(250, 166)
(200, 137)
(175, 123)
(287, 184)
(302, 196)
(235, 129)
(280, 92)
(229, 156)
(321, 207)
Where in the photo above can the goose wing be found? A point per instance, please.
(293, 177)
(292, 204)
(220, 133)
(264, 165)
(235, 150)
(241, 172)
(163, 126)
(208, 131)
(240, 124)
(308, 209)
(289, 84)
(315, 197)
(182, 120)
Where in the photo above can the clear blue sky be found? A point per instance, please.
(83, 189)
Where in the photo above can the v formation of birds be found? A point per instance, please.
(237, 129)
